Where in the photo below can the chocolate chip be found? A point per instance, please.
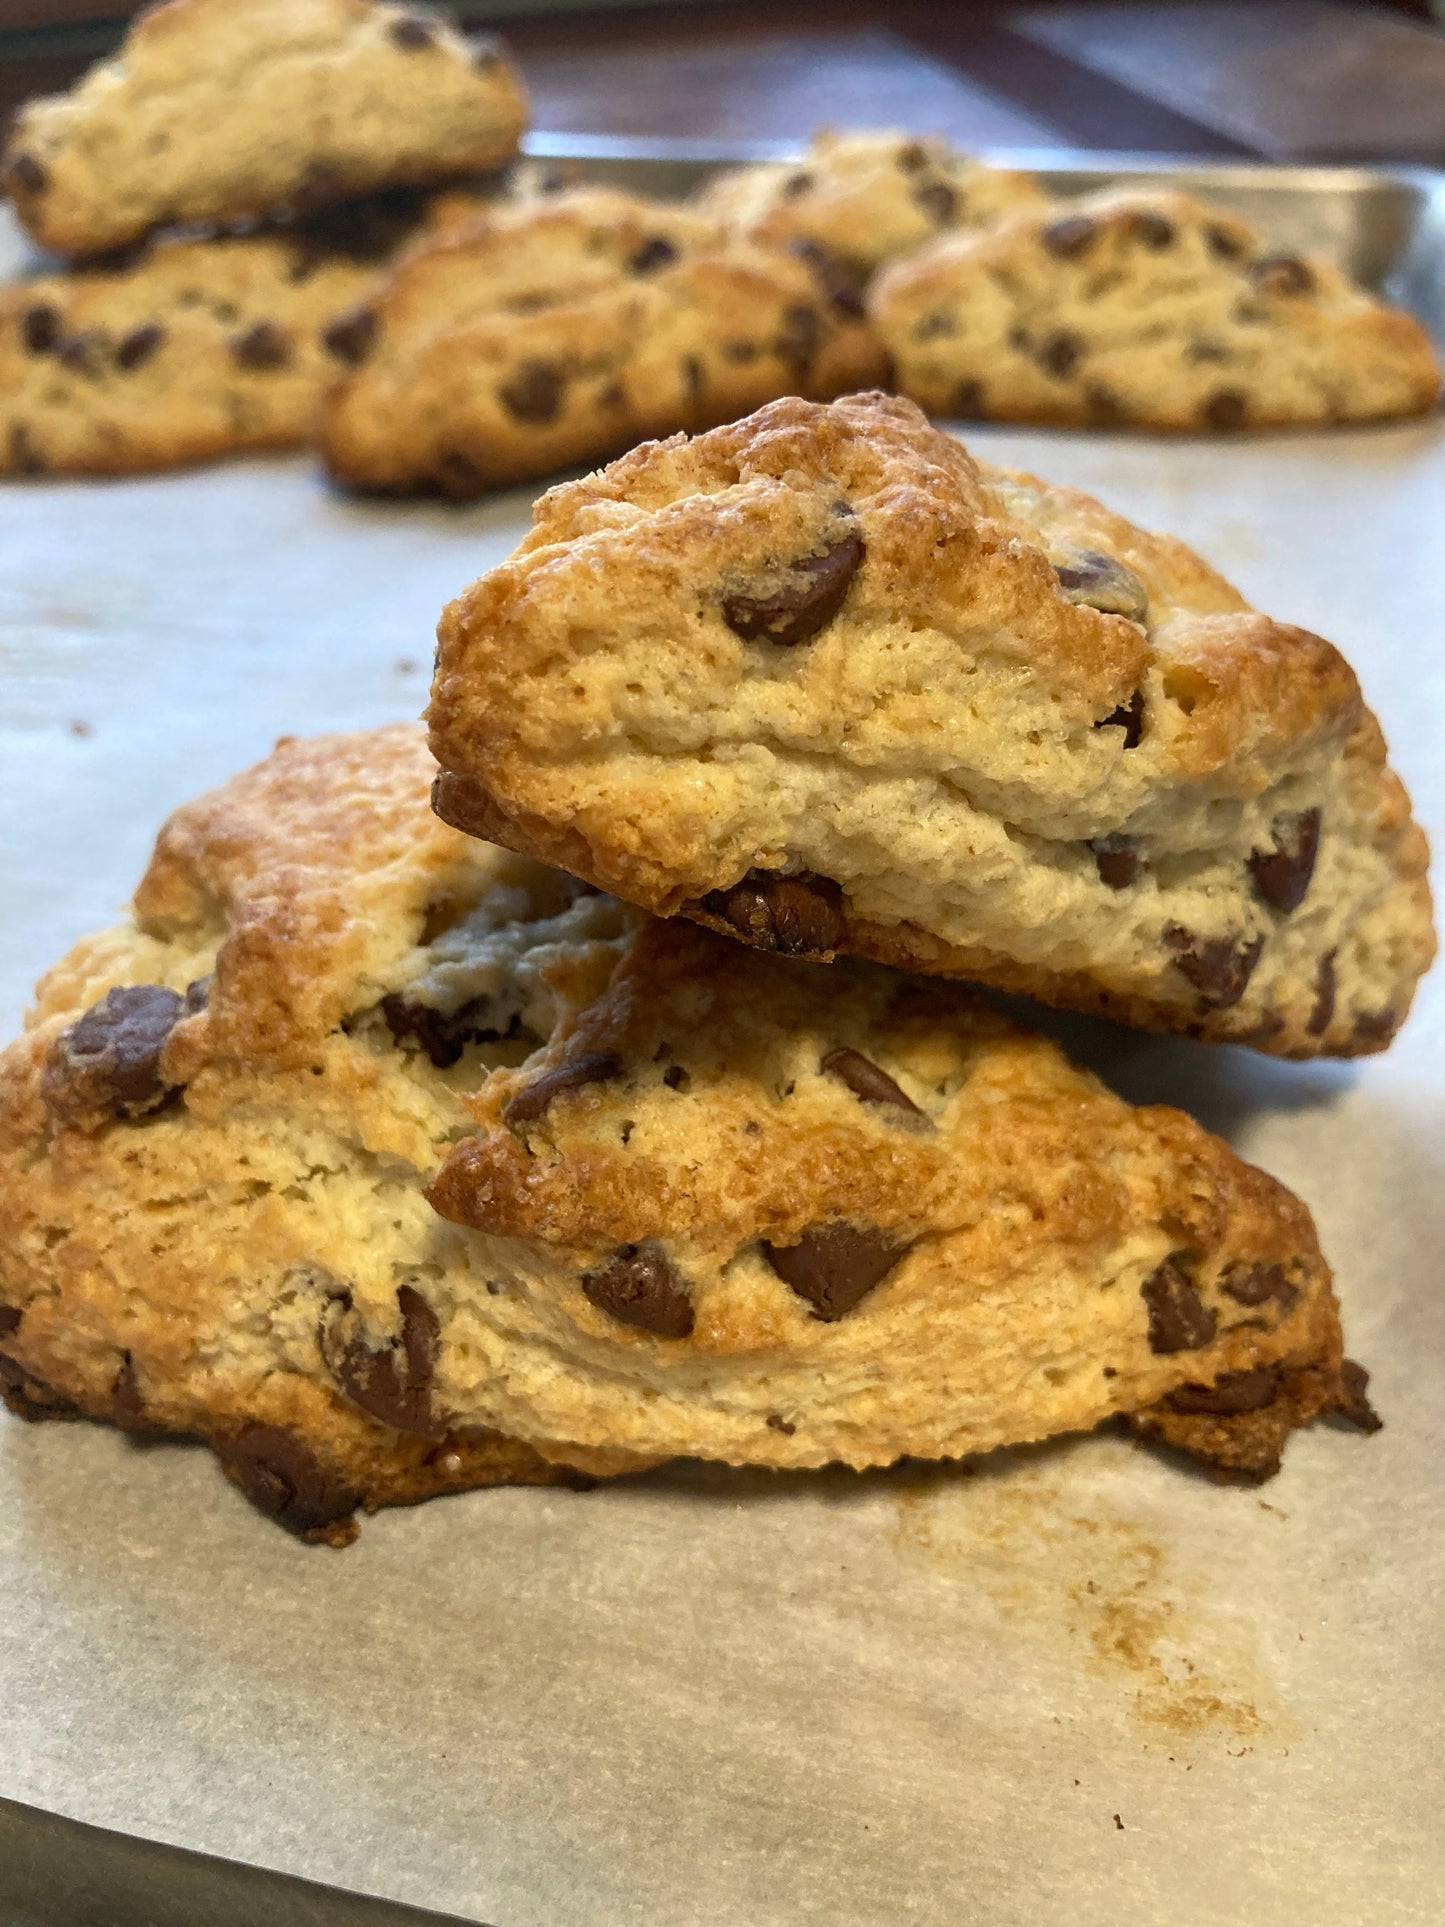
(40, 328)
(799, 916)
(1282, 274)
(778, 1423)
(1200, 351)
(839, 281)
(27, 173)
(25, 456)
(968, 399)
(655, 252)
(412, 31)
(795, 185)
(1324, 1005)
(834, 1265)
(394, 1383)
(1236, 1392)
(1103, 407)
(442, 1034)
(809, 597)
(263, 345)
(534, 394)
(1068, 237)
(640, 1288)
(109, 1060)
(1373, 1026)
(1250, 1283)
(350, 335)
(1219, 968)
(799, 337)
(1224, 245)
(865, 1080)
(1099, 582)
(532, 1101)
(912, 156)
(937, 200)
(139, 345)
(283, 1478)
(1059, 352)
(1156, 231)
(10, 1316)
(676, 1078)
(1225, 408)
(1116, 860)
(1282, 875)
(127, 1408)
(1179, 1320)
(83, 352)
(1351, 1403)
(1129, 717)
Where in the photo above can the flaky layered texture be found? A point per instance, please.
(1145, 307)
(750, 1210)
(196, 348)
(822, 681)
(865, 198)
(220, 110)
(562, 329)
(215, 1132)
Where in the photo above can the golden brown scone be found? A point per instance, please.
(215, 1132)
(821, 681)
(1149, 308)
(750, 1210)
(866, 198)
(567, 327)
(223, 110)
(196, 348)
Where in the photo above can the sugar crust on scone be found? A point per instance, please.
(1150, 308)
(567, 327)
(216, 1128)
(824, 682)
(218, 110)
(744, 1209)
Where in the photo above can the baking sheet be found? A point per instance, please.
(1063, 1684)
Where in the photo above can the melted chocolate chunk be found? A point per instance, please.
(865, 1080)
(778, 1423)
(10, 1316)
(799, 337)
(534, 394)
(1282, 274)
(40, 328)
(1069, 236)
(442, 1034)
(1129, 717)
(532, 1100)
(1236, 1392)
(639, 1287)
(1179, 1320)
(1059, 352)
(283, 1478)
(1218, 968)
(262, 346)
(393, 1384)
(1324, 1005)
(1156, 231)
(1256, 1283)
(27, 173)
(937, 199)
(136, 348)
(799, 916)
(109, 1061)
(1100, 582)
(1226, 408)
(656, 252)
(1282, 874)
(1352, 1405)
(413, 31)
(834, 1265)
(810, 595)
(1116, 859)
(350, 336)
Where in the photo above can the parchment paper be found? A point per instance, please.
(1072, 1684)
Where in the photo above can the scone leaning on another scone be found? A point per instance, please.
(821, 681)
(194, 349)
(564, 329)
(754, 1211)
(224, 110)
(215, 1133)
(1146, 308)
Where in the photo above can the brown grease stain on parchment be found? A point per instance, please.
(1099, 1582)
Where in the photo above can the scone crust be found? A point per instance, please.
(1145, 308)
(952, 761)
(222, 110)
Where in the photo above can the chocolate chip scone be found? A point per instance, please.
(748, 1210)
(822, 681)
(865, 198)
(564, 329)
(215, 1133)
(223, 110)
(1145, 308)
(195, 348)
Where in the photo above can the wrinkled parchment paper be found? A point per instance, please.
(1071, 1684)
